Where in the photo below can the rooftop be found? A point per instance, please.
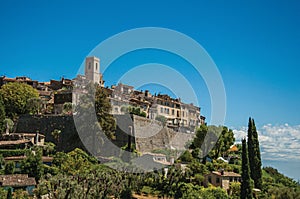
(17, 180)
(14, 142)
(226, 173)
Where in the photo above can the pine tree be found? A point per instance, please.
(246, 191)
(254, 154)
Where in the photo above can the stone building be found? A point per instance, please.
(221, 179)
(26, 80)
(60, 98)
(168, 107)
(55, 93)
(119, 97)
(18, 181)
(190, 117)
(92, 70)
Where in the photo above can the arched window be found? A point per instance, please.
(96, 66)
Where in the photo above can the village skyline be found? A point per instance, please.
(255, 46)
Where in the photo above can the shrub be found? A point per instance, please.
(14, 152)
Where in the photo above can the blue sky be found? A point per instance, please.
(254, 44)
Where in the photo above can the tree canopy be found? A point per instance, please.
(15, 97)
(103, 108)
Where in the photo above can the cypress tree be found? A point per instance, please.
(254, 154)
(246, 191)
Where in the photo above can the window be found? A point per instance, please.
(218, 180)
(89, 65)
(96, 66)
(161, 110)
(173, 112)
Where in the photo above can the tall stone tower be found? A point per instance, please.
(92, 70)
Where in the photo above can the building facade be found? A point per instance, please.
(221, 179)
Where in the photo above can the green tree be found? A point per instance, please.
(3, 193)
(246, 190)
(2, 115)
(226, 139)
(235, 190)
(136, 111)
(49, 148)
(56, 134)
(254, 154)
(15, 97)
(198, 144)
(103, 109)
(9, 167)
(215, 192)
(67, 108)
(201, 132)
(9, 125)
(186, 156)
(34, 105)
(161, 119)
(33, 164)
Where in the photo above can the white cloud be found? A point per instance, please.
(277, 142)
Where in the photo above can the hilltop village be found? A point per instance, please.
(42, 154)
(55, 94)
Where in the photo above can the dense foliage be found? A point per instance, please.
(15, 97)
(13, 152)
(103, 109)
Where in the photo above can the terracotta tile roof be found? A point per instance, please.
(227, 174)
(233, 148)
(16, 180)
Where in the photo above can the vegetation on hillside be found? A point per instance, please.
(77, 174)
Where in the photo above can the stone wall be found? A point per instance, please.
(150, 135)
(45, 124)
(147, 134)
